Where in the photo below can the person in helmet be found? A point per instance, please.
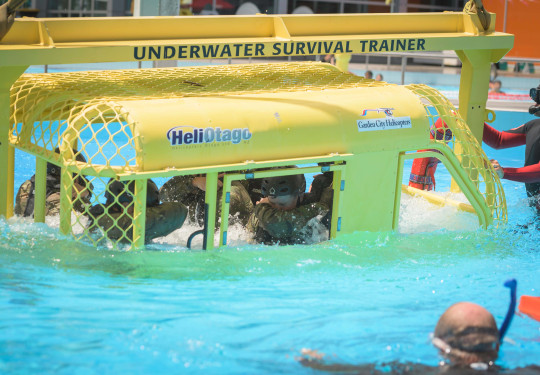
(191, 191)
(82, 192)
(115, 217)
(282, 215)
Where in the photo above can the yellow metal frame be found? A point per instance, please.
(64, 41)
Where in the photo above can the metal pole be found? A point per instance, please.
(505, 12)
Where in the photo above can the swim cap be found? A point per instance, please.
(283, 185)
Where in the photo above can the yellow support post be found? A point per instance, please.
(40, 191)
(139, 213)
(225, 199)
(66, 191)
(210, 200)
(8, 75)
(473, 88)
(397, 191)
(338, 184)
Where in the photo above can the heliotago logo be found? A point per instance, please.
(388, 122)
(189, 135)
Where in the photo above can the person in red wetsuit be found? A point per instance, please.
(527, 134)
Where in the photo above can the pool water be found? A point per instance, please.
(367, 298)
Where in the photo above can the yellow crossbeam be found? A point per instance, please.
(60, 41)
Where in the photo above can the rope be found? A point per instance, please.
(476, 6)
(13, 5)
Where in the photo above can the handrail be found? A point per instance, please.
(435, 56)
(451, 54)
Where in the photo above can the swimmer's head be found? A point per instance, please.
(467, 334)
(496, 86)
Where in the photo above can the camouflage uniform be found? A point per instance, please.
(116, 222)
(272, 226)
(181, 189)
(115, 217)
(318, 186)
(320, 183)
(24, 201)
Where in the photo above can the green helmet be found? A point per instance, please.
(283, 185)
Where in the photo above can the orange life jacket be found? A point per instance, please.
(423, 170)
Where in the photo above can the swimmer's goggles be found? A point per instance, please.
(464, 350)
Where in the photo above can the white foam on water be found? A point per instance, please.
(417, 215)
(236, 236)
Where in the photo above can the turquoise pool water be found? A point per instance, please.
(368, 298)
